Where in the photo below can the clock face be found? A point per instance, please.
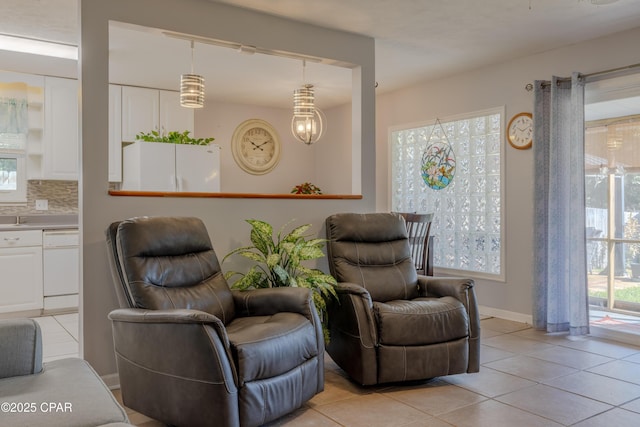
(520, 131)
(256, 146)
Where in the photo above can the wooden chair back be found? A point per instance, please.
(420, 240)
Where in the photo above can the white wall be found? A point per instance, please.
(493, 86)
(298, 163)
(333, 153)
(223, 217)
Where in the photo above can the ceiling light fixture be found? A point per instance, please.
(192, 87)
(308, 122)
(38, 47)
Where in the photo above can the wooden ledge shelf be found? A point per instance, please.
(126, 193)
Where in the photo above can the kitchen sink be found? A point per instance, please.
(38, 221)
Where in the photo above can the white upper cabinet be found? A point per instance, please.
(173, 117)
(145, 110)
(60, 132)
(140, 111)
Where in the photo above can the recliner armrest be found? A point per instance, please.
(137, 315)
(353, 289)
(194, 344)
(429, 286)
(269, 301)
(460, 288)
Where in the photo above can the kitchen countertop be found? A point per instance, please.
(38, 222)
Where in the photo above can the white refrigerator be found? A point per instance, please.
(157, 166)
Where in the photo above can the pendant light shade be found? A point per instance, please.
(308, 122)
(192, 87)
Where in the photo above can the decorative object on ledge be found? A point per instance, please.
(255, 146)
(306, 188)
(308, 122)
(172, 137)
(279, 263)
(192, 87)
(438, 159)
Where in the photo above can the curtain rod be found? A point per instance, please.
(597, 76)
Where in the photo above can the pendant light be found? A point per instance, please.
(308, 122)
(192, 87)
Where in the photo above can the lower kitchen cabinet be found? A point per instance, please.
(61, 265)
(21, 286)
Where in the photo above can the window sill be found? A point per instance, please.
(125, 193)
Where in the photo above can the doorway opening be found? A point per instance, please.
(612, 198)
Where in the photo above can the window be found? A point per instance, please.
(13, 183)
(468, 213)
(14, 130)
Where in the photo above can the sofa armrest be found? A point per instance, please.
(20, 347)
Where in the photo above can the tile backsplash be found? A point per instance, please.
(62, 198)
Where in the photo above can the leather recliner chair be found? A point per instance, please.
(191, 352)
(391, 324)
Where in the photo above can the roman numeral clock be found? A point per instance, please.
(255, 146)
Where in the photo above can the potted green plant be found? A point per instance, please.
(172, 137)
(279, 263)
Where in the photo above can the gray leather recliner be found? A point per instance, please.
(190, 351)
(391, 324)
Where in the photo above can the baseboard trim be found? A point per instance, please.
(613, 335)
(504, 314)
(112, 381)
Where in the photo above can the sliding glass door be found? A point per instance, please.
(612, 178)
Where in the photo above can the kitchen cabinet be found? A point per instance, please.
(172, 115)
(60, 133)
(155, 166)
(21, 286)
(61, 268)
(144, 110)
(115, 132)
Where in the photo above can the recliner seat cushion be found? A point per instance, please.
(420, 321)
(267, 346)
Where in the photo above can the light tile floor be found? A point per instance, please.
(528, 378)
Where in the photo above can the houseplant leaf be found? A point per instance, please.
(278, 262)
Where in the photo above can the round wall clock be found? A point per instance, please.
(520, 131)
(256, 146)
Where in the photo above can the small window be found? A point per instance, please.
(13, 183)
(14, 130)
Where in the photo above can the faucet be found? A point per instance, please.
(18, 220)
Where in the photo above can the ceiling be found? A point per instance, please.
(416, 40)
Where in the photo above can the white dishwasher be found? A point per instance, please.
(61, 268)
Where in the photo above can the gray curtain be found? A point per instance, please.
(560, 266)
